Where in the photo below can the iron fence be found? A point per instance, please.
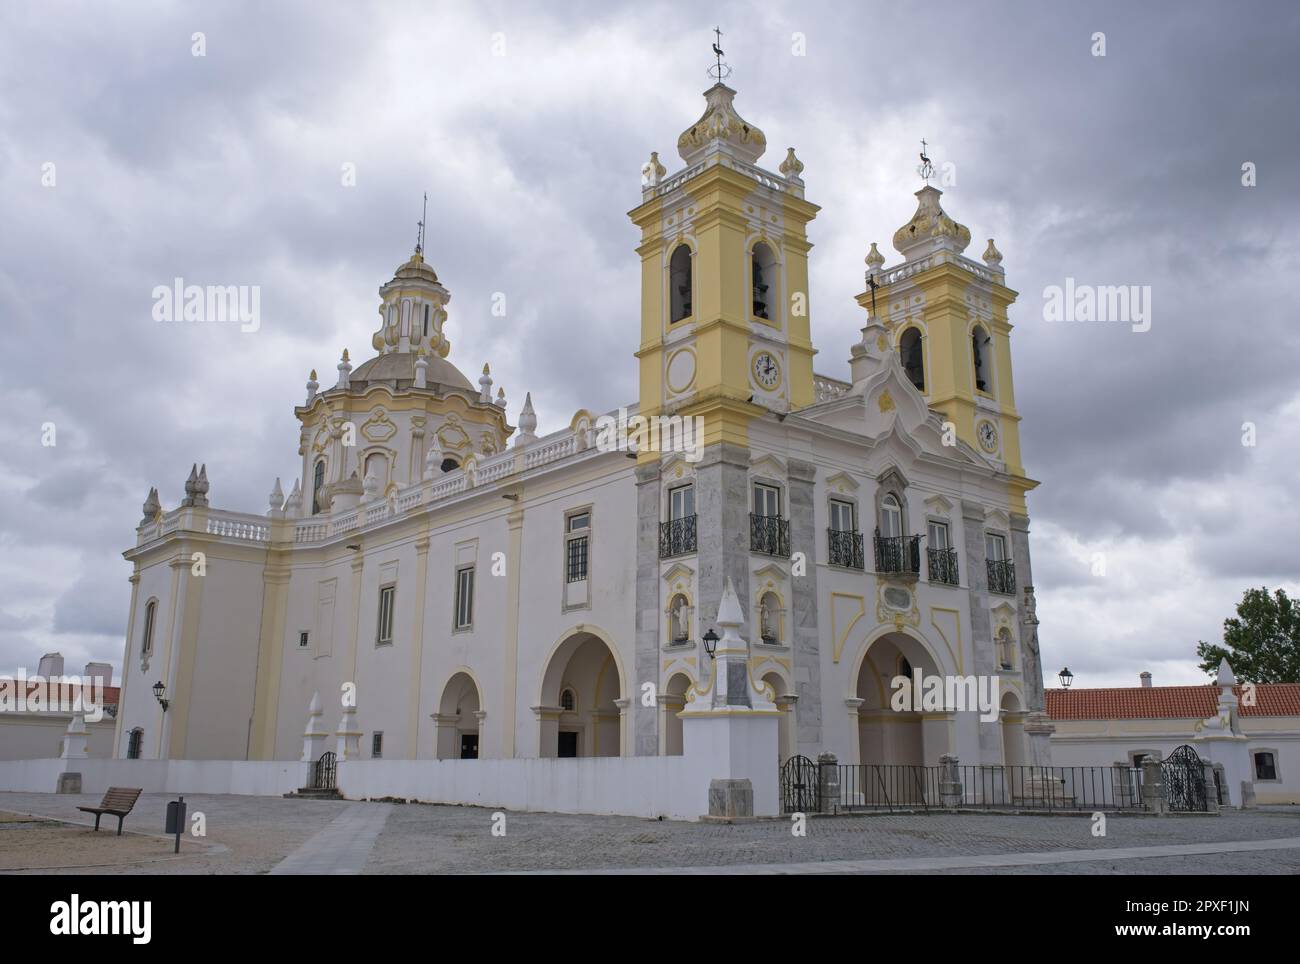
(324, 771)
(875, 786)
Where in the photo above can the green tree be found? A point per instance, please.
(1262, 642)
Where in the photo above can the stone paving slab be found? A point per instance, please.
(342, 846)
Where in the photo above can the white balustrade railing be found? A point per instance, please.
(243, 528)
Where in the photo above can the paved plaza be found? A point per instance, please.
(44, 833)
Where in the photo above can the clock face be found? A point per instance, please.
(988, 436)
(767, 370)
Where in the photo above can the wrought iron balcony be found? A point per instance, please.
(942, 564)
(677, 537)
(846, 548)
(900, 554)
(769, 534)
(1002, 576)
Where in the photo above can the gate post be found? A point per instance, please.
(1153, 787)
(951, 791)
(1211, 790)
(828, 782)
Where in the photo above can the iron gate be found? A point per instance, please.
(800, 786)
(1184, 780)
(322, 772)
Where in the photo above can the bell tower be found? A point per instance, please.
(947, 317)
(724, 278)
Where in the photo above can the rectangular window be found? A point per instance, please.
(842, 516)
(681, 502)
(938, 535)
(995, 547)
(577, 528)
(384, 636)
(767, 500)
(1265, 766)
(377, 746)
(302, 639)
(465, 597)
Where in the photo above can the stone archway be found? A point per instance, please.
(582, 699)
(1013, 731)
(886, 735)
(671, 702)
(785, 700)
(458, 724)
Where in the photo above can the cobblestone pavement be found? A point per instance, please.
(253, 834)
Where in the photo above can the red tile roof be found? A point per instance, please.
(1167, 702)
(111, 695)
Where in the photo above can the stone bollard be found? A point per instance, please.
(1153, 787)
(731, 798)
(1123, 785)
(1225, 791)
(828, 782)
(1248, 795)
(951, 792)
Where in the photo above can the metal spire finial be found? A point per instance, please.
(719, 71)
(419, 240)
(925, 168)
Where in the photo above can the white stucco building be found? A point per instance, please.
(485, 592)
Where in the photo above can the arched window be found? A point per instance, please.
(146, 641)
(980, 358)
(680, 612)
(769, 629)
(909, 350)
(679, 283)
(763, 274)
(568, 700)
(449, 464)
(133, 744)
(426, 321)
(378, 465)
(317, 484)
(891, 517)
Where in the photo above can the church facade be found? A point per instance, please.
(445, 584)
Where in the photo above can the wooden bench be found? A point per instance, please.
(118, 801)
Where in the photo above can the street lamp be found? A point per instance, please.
(710, 642)
(1066, 677)
(158, 690)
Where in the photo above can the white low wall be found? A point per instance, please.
(654, 786)
(243, 777)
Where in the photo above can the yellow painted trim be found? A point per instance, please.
(837, 636)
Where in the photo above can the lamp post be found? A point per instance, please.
(710, 642)
(1066, 677)
(158, 690)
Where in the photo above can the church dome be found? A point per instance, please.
(416, 268)
(930, 228)
(721, 126)
(399, 367)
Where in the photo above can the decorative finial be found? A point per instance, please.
(419, 238)
(652, 171)
(293, 504)
(312, 386)
(527, 422)
(992, 256)
(925, 168)
(345, 371)
(345, 354)
(501, 398)
(276, 500)
(719, 71)
(151, 507)
(875, 260)
(485, 386)
(791, 167)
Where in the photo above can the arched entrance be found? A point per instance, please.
(785, 702)
(887, 735)
(582, 699)
(458, 724)
(1013, 731)
(671, 702)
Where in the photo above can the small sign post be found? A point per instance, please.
(176, 820)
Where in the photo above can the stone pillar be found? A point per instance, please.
(722, 530)
(446, 735)
(479, 717)
(625, 704)
(852, 705)
(951, 791)
(1153, 787)
(1030, 660)
(1211, 792)
(316, 737)
(74, 739)
(985, 661)
(828, 782)
(645, 735)
(348, 734)
(805, 638)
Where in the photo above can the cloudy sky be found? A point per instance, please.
(527, 126)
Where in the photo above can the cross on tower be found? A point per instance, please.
(719, 70)
(419, 238)
(926, 169)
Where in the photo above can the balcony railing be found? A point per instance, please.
(769, 534)
(846, 548)
(677, 537)
(900, 554)
(942, 565)
(1002, 576)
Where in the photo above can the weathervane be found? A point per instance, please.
(719, 71)
(419, 238)
(925, 168)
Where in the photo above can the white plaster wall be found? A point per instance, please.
(34, 736)
(268, 778)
